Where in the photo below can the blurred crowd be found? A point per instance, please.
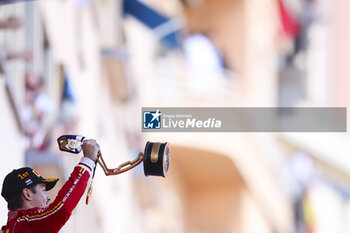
(37, 105)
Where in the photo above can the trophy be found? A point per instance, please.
(155, 158)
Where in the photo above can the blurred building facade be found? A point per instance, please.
(101, 61)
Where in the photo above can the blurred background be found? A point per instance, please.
(87, 67)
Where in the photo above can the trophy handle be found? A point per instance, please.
(122, 167)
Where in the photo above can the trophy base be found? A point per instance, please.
(156, 159)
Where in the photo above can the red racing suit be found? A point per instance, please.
(52, 218)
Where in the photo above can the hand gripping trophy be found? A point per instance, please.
(155, 158)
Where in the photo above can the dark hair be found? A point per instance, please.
(16, 202)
